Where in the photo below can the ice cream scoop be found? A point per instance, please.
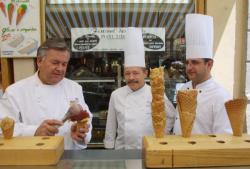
(75, 113)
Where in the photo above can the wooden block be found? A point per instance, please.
(31, 150)
(222, 150)
(196, 151)
(157, 152)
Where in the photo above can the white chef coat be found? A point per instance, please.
(129, 118)
(29, 102)
(211, 116)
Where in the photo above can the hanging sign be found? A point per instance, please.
(20, 28)
(112, 39)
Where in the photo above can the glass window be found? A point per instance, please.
(101, 72)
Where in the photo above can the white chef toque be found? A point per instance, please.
(134, 54)
(199, 36)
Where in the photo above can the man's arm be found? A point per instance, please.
(221, 121)
(170, 115)
(111, 125)
(83, 137)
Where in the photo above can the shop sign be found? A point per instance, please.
(20, 28)
(112, 39)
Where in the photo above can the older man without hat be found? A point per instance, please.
(39, 102)
(129, 113)
(211, 116)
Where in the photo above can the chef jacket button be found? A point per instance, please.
(188, 88)
(199, 91)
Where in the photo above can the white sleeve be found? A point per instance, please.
(83, 145)
(111, 125)
(9, 107)
(221, 121)
(170, 115)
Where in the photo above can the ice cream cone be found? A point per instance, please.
(187, 100)
(7, 126)
(2, 6)
(10, 9)
(157, 106)
(236, 110)
(159, 123)
(158, 90)
(82, 124)
(158, 103)
(187, 121)
(20, 13)
(186, 104)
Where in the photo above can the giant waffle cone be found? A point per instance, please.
(7, 126)
(82, 124)
(157, 106)
(158, 103)
(236, 110)
(159, 123)
(186, 104)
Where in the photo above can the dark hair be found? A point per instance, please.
(57, 44)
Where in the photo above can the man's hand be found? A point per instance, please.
(80, 135)
(48, 128)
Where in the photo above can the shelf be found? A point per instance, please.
(95, 80)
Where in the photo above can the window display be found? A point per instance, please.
(101, 72)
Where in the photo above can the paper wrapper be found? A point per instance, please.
(236, 110)
(158, 103)
(186, 104)
(82, 124)
(7, 126)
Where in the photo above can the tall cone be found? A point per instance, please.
(186, 104)
(158, 103)
(236, 111)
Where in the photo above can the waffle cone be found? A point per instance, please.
(82, 124)
(159, 131)
(187, 100)
(187, 122)
(186, 104)
(158, 102)
(158, 97)
(236, 110)
(7, 126)
(157, 106)
(158, 90)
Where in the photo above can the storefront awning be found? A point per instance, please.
(60, 18)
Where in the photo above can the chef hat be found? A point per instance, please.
(199, 36)
(134, 48)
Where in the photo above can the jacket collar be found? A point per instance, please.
(205, 84)
(137, 91)
(40, 83)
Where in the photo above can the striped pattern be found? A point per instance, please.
(60, 18)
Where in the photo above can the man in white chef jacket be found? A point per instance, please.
(39, 102)
(129, 113)
(211, 115)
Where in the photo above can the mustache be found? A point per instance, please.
(132, 81)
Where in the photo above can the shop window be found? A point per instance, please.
(101, 72)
